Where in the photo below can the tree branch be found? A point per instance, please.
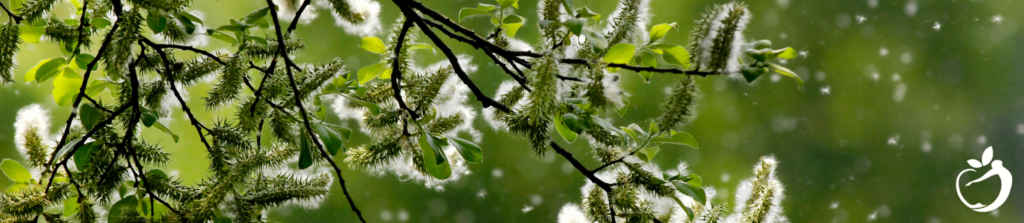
(396, 72)
(16, 18)
(170, 81)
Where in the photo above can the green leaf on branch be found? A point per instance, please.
(421, 46)
(470, 12)
(511, 24)
(127, 204)
(431, 154)
(99, 23)
(156, 22)
(785, 71)
(164, 129)
(45, 69)
(674, 54)
(15, 171)
(563, 130)
(587, 13)
(83, 156)
(149, 117)
(192, 18)
(647, 153)
(65, 86)
(469, 150)
(374, 108)
(486, 7)
(82, 61)
(368, 73)
(373, 44)
(30, 33)
(508, 3)
(575, 123)
(331, 138)
(659, 31)
(678, 138)
(689, 211)
(190, 27)
(90, 115)
(647, 59)
(619, 54)
(256, 15)
(695, 192)
(305, 151)
(787, 53)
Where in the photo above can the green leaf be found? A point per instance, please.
(752, 73)
(256, 15)
(374, 108)
(659, 31)
(787, 53)
(15, 171)
(575, 25)
(192, 18)
(368, 73)
(568, 5)
(82, 61)
(83, 156)
(71, 205)
(696, 192)
(373, 44)
(305, 152)
(156, 22)
(785, 71)
(149, 117)
(563, 130)
(421, 46)
(675, 54)
(126, 204)
(190, 27)
(619, 54)
(511, 28)
(222, 219)
(470, 12)
(90, 115)
(689, 212)
(647, 59)
(65, 86)
(513, 19)
(632, 134)
(45, 69)
(99, 22)
(222, 36)
(508, 3)
(164, 129)
(486, 7)
(96, 86)
(15, 187)
(330, 137)
(30, 33)
(575, 123)
(469, 150)
(587, 13)
(595, 38)
(440, 170)
(678, 138)
(647, 153)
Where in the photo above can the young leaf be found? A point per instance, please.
(648, 153)
(368, 73)
(156, 22)
(99, 22)
(619, 54)
(65, 86)
(575, 25)
(190, 27)
(90, 115)
(678, 138)
(695, 192)
(30, 33)
(470, 12)
(575, 123)
(45, 69)
(126, 204)
(330, 137)
(511, 28)
(192, 18)
(149, 117)
(659, 31)
(785, 71)
(71, 205)
(373, 44)
(469, 150)
(647, 59)
(568, 5)
(430, 155)
(586, 13)
(675, 54)
(563, 130)
(689, 212)
(15, 171)
(83, 156)
(595, 38)
(421, 46)
(374, 108)
(305, 152)
(256, 15)
(486, 7)
(164, 129)
(508, 3)
(82, 61)
(787, 53)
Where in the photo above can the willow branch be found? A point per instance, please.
(396, 72)
(17, 19)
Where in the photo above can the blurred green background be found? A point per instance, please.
(898, 95)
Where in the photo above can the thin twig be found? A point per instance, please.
(396, 71)
(17, 19)
(184, 107)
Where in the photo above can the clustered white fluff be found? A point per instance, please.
(291, 168)
(452, 99)
(288, 8)
(639, 34)
(662, 206)
(368, 9)
(707, 44)
(745, 190)
(32, 118)
(490, 115)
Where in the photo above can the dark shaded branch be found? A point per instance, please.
(280, 37)
(170, 82)
(298, 14)
(302, 110)
(97, 104)
(396, 72)
(81, 93)
(484, 99)
(79, 144)
(259, 91)
(579, 166)
(183, 47)
(16, 18)
(134, 122)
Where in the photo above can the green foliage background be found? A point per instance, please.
(962, 84)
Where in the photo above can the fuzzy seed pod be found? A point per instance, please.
(718, 38)
(8, 46)
(680, 105)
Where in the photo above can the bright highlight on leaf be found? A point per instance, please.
(373, 44)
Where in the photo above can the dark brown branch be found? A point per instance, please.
(81, 92)
(183, 47)
(280, 37)
(79, 144)
(17, 19)
(97, 104)
(295, 21)
(396, 71)
(130, 131)
(484, 99)
(170, 82)
(302, 110)
(259, 91)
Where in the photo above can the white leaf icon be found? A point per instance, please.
(986, 157)
(974, 163)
